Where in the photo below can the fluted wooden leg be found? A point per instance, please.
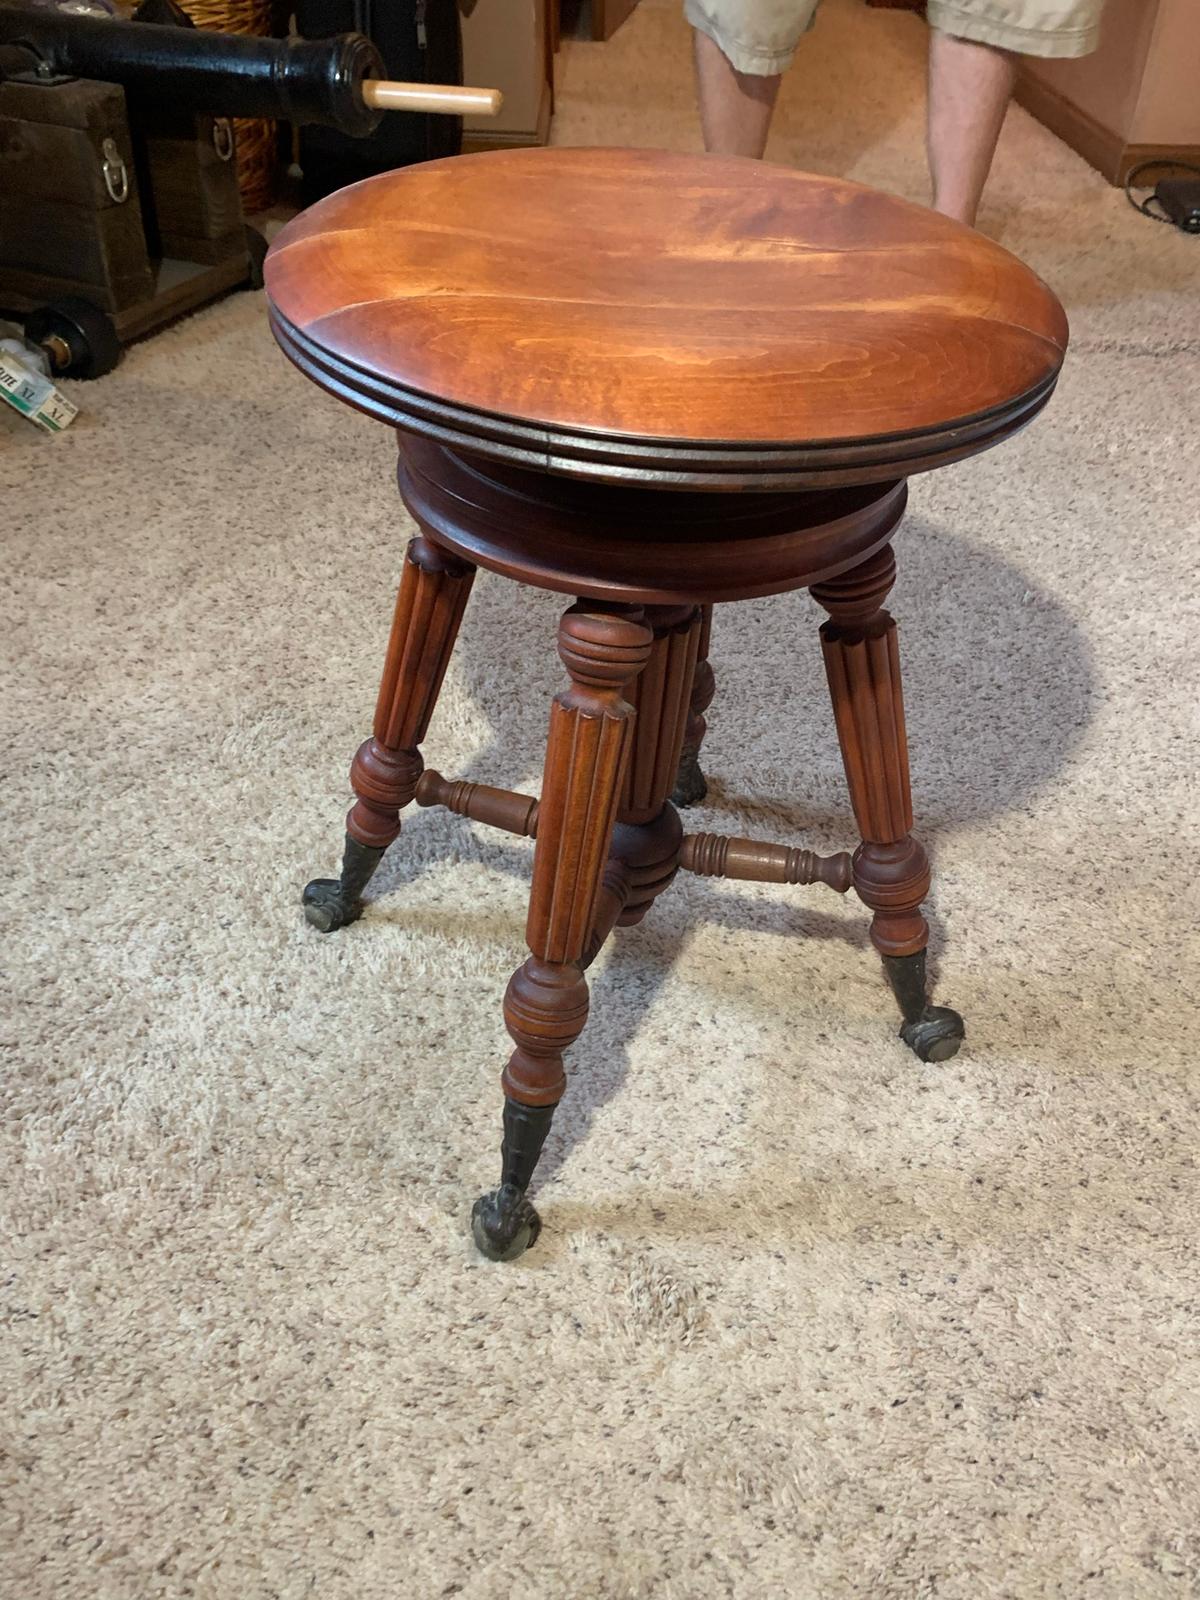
(891, 870)
(690, 785)
(546, 1004)
(648, 834)
(434, 588)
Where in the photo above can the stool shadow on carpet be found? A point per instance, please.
(998, 683)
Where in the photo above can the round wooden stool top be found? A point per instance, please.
(638, 314)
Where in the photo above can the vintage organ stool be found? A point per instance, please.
(655, 383)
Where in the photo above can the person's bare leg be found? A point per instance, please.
(970, 86)
(735, 107)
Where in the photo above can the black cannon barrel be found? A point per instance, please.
(294, 80)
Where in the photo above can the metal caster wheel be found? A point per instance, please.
(936, 1035)
(80, 339)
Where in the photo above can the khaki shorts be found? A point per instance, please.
(760, 36)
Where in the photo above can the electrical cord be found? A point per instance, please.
(1145, 203)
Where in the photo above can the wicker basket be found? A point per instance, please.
(257, 164)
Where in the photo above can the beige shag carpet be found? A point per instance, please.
(808, 1319)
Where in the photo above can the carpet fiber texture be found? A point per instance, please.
(808, 1319)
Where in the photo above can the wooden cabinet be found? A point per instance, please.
(608, 15)
(1133, 99)
(509, 45)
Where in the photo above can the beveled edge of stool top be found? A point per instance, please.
(648, 316)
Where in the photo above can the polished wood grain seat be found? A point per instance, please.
(583, 352)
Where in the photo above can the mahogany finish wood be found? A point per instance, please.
(714, 855)
(656, 311)
(501, 808)
(432, 597)
(690, 785)
(709, 855)
(578, 349)
(613, 542)
(862, 663)
(660, 696)
(546, 1003)
(611, 900)
(433, 593)
(587, 750)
